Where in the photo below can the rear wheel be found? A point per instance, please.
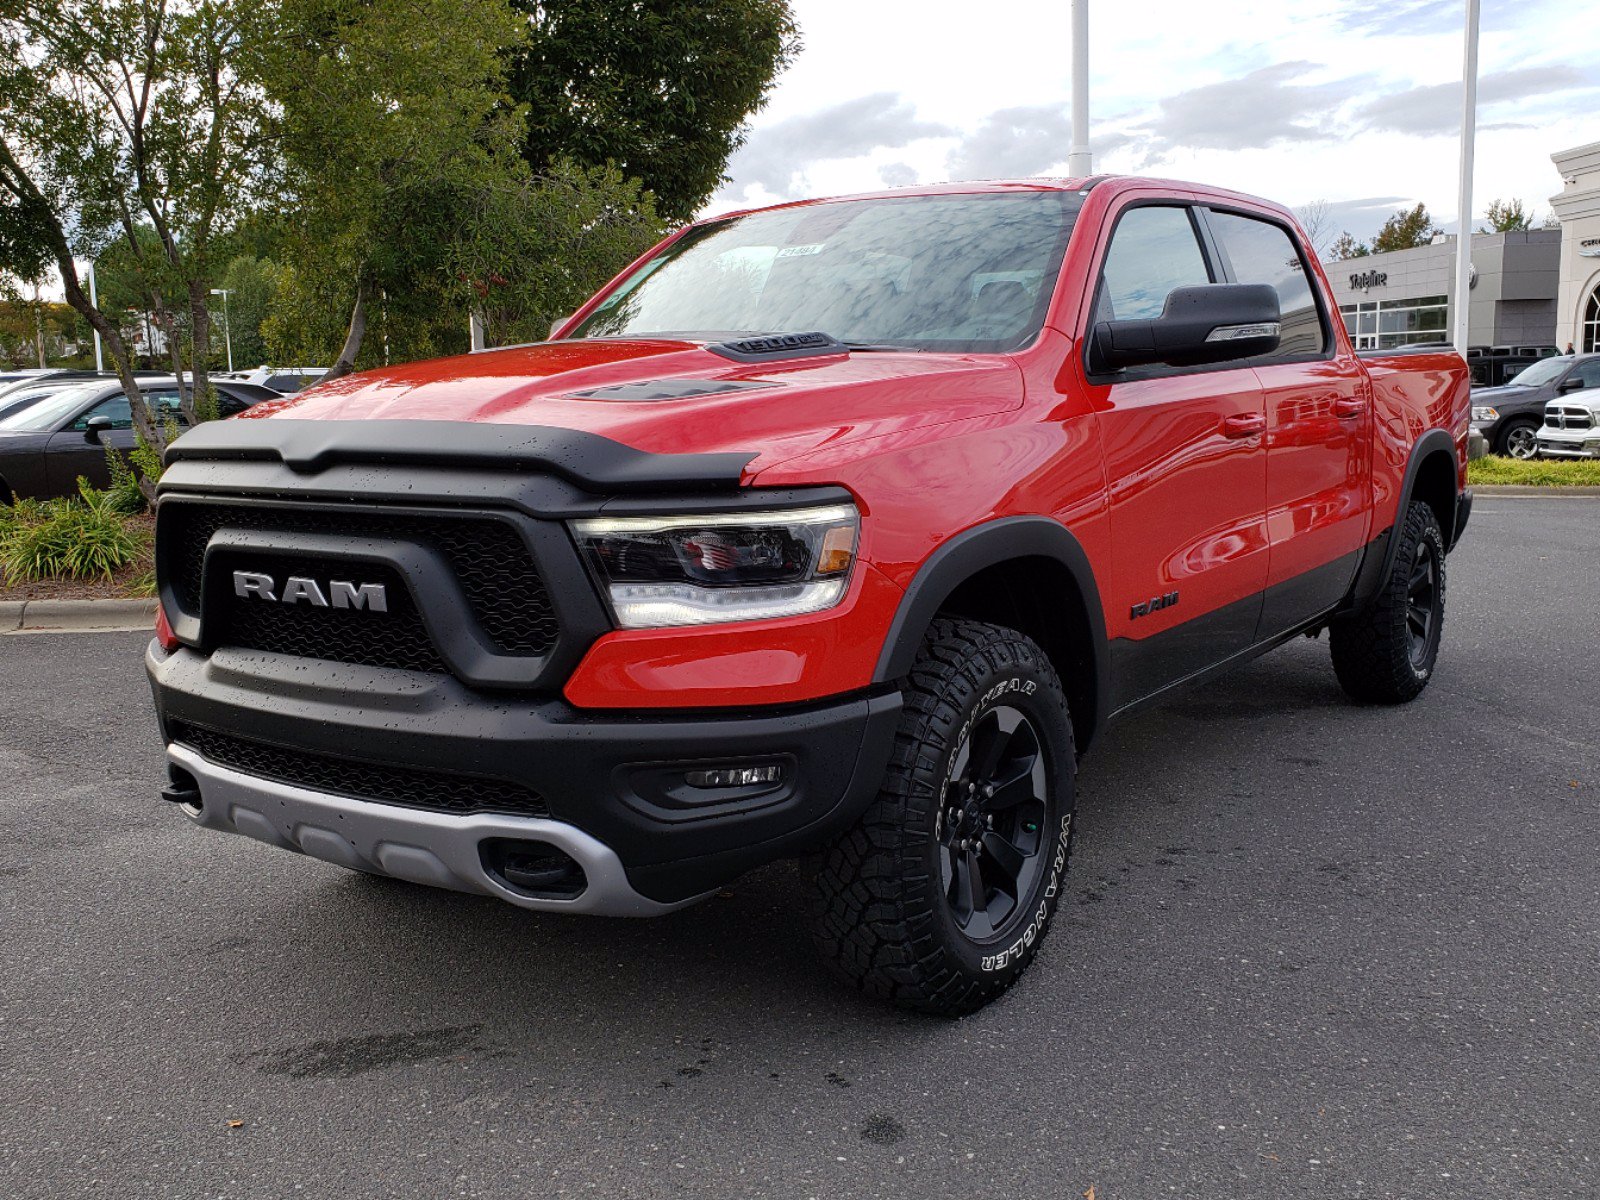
(1386, 654)
(1520, 439)
(939, 897)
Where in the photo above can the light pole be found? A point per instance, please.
(227, 326)
(1469, 129)
(1080, 163)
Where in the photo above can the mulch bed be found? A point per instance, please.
(119, 586)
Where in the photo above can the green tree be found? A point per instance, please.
(534, 251)
(1345, 246)
(1407, 228)
(393, 120)
(661, 88)
(252, 284)
(119, 113)
(1507, 216)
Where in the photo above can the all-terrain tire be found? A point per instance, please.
(893, 908)
(1386, 654)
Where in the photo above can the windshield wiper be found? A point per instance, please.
(871, 346)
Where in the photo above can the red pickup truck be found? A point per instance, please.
(837, 530)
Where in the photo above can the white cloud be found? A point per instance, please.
(1341, 101)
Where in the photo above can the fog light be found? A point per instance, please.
(727, 777)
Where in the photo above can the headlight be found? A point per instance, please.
(1483, 413)
(703, 570)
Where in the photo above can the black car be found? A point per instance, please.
(1510, 416)
(47, 444)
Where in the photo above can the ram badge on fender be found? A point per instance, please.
(837, 530)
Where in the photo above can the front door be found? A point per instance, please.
(71, 453)
(1186, 468)
(1319, 430)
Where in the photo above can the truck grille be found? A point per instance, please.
(409, 787)
(490, 560)
(1571, 417)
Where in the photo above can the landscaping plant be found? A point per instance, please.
(79, 537)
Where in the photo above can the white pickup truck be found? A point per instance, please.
(1571, 426)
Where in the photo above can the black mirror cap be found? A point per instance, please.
(1211, 323)
(1569, 384)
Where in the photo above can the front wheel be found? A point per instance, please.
(938, 899)
(1520, 440)
(1386, 654)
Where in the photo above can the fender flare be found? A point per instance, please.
(1376, 567)
(974, 550)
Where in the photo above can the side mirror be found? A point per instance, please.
(1570, 384)
(1212, 323)
(94, 427)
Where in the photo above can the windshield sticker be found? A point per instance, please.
(801, 251)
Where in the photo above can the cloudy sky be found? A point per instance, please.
(1354, 102)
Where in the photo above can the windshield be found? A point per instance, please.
(47, 413)
(1542, 371)
(959, 273)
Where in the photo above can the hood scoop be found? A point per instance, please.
(667, 389)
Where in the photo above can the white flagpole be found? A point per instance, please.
(1079, 161)
(1469, 129)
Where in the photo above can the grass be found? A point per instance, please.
(1539, 472)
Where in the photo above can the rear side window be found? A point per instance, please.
(285, 383)
(1153, 251)
(1261, 252)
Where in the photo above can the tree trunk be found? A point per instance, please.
(197, 402)
(122, 359)
(167, 323)
(346, 362)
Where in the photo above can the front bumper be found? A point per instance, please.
(612, 786)
(1581, 443)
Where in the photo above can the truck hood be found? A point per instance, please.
(668, 397)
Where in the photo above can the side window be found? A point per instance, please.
(284, 383)
(1588, 372)
(1153, 251)
(230, 406)
(164, 406)
(115, 407)
(1261, 252)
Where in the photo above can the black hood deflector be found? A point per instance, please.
(593, 463)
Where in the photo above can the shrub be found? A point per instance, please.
(80, 537)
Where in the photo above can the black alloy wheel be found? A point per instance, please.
(1422, 603)
(991, 830)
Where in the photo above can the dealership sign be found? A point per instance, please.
(1589, 248)
(1363, 280)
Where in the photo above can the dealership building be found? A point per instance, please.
(1530, 291)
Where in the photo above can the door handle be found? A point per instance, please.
(1243, 425)
(1345, 407)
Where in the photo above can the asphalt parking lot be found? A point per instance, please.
(1309, 950)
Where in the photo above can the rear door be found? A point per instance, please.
(1186, 467)
(1319, 428)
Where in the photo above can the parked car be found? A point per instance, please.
(1510, 416)
(1571, 426)
(838, 529)
(46, 445)
(284, 380)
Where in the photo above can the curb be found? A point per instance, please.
(1532, 489)
(76, 616)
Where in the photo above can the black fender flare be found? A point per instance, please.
(974, 550)
(1379, 561)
